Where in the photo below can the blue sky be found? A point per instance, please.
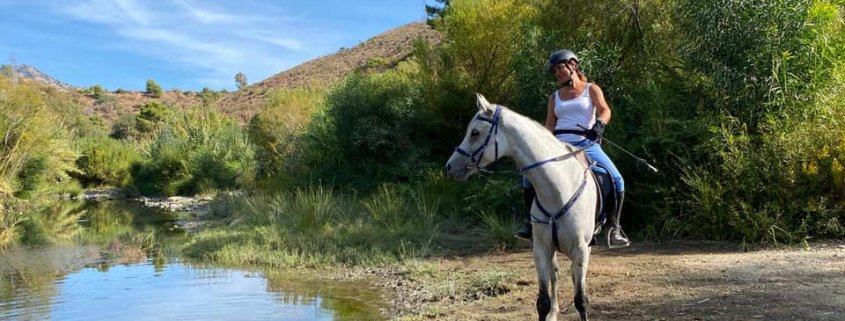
(186, 44)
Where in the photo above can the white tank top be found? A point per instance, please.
(574, 112)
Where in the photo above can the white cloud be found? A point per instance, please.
(284, 42)
(135, 11)
(207, 16)
(215, 42)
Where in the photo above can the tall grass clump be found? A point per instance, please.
(317, 226)
(277, 127)
(196, 150)
(11, 215)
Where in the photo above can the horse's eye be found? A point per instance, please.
(474, 132)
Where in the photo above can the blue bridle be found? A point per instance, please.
(494, 130)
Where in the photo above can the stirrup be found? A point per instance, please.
(619, 246)
(522, 236)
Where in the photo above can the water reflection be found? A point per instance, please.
(123, 264)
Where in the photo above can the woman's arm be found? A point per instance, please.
(602, 109)
(551, 118)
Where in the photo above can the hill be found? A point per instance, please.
(382, 51)
(28, 72)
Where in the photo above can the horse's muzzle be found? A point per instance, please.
(456, 171)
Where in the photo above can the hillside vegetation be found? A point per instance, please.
(744, 117)
(381, 52)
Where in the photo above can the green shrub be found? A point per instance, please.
(31, 176)
(197, 150)
(153, 89)
(123, 127)
(150, 117)
(276, 128)
(367, 134)
(766, 166)
(105, 161)
(35, 152)
(97, 92)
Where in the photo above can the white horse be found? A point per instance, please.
(564, 184)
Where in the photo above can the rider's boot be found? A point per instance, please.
(616, 238)
(525, 232)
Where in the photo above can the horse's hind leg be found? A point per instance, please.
(580, 260)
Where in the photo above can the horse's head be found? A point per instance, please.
(481, 145)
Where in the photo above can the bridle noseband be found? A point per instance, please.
(492, 133)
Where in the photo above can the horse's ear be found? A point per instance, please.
(483, 104)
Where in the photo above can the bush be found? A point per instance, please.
(150, 116)
(276, 128)
(97, 92)
(197, 150)
(153, 89)
(767, 92)
(367, 134)
(105, 161)
(35, 152)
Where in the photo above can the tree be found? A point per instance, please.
(153, 89)
(435, 12)
(240, 80)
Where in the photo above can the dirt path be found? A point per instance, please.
(666, 281)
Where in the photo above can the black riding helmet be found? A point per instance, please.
(560, 56)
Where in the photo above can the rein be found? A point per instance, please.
(493, 133)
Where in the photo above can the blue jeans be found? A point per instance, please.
(597, 154)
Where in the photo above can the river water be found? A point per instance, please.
(123, 264)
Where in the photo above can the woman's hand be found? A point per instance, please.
(596, 132)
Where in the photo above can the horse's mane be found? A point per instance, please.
(538, 133)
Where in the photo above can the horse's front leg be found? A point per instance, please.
(543, 262)
(580, 261)
(555, 307)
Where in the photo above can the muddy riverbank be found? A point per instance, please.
(649, 281)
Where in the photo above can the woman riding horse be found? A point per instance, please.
(577, 114)
(567, 194)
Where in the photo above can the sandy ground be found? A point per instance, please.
(664, 281)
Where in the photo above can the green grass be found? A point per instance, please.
(499, 228)
(318, 227)
(442, 284)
